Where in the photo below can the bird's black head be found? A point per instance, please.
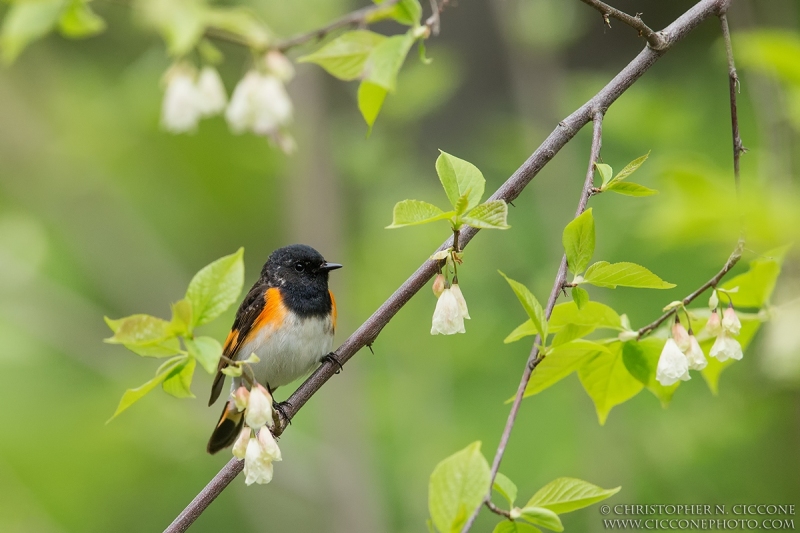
(298, 266)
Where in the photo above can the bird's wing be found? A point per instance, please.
(246, 317)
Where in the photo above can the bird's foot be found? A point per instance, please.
(280, 411)
(331, 358)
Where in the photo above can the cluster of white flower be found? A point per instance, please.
(682, 352)
(259, 103)
(451, 308)
(255, 444)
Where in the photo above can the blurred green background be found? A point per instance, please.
(102, 213)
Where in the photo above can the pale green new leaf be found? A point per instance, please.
(132, 396)
(506, 488)
(414, 212)
(757, 284)
(180, 22)
(181, 322)
(630, 189)
(507, 526)
(242, 21)
(562, 361)
(579, 239)
(370, 101)
(612, 275)
(345, 56)
(79, 21)
(408, 12)
(179, 380)
(488, 215)
(542, 517)
(207, 351)
(457, 485)
(607, 381)
(531, 306)
(592, 314)
(24, 22)
(605, 173)
(641, 361)
(525, 329)
(460, 177)
(216, 287)
(144, 335)
(570, 332)
(580, 297)
(567, 494)
(385, 60)
(630, 168)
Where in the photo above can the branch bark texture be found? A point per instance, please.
(366, 334)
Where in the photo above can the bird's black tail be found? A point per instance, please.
(228, 428)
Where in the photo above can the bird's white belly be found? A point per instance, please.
(290, 351)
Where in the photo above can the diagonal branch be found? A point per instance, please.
(654, 40)
(535, 356)
(366, 334)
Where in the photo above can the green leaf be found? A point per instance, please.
(507, 526)
(132, 396)
(592, 314)
(580, 296)
(570, 332)
(25, 22)
(562, 361)
(607, 381)
(506, 488)
(567, 494)
(216, 287)
(542, 517)
(578, 240)
(462, 204)
(209, 52)
(408, 12)
(488, 215)
(460, 177)
(641, 361)
(370, 101)
(612, 275)
(385, 60)
(207, 351)
(523, 330)
(531, 306)
(414, 212)
(179, 380)
(458, 484)
(605, 172)
(757, 284)
(630, 189)
(144, 335)
(345, 56)
(181, 323)
(79, 21)
(181, 23)
(630, 168)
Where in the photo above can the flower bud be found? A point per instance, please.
(240, 446)
(627, 335)
(259, 408)
(279, 66)
(681, 336)
(438, 285)
(714, 325)
(730, 322)
(713, 302)
(241, 397)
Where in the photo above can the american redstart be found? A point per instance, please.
(287, 319)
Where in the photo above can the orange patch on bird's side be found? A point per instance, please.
(333, 311)
(273, 313)
(233, 336)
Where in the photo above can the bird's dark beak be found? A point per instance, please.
(329, 266)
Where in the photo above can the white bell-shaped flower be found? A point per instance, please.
(673, 366)
(240, 446)
(259, 104)
(730, 322)
(462, 303)
(211, 91)
(695, 356)
(257, 464)
(726, 347)
(180, 109)
(269, 444)
(447, 318)
(259, 408)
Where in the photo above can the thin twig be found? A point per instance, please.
(654, 40)
(733, 82)
(729, 264)
(536, 356)
(496, 510)
(366, 334)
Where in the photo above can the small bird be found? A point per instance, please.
(288, 320)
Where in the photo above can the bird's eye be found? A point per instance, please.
(299, 267)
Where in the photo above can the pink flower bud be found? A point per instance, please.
(438, 285)
(681, 336)
(714, 325)
(730, 322)
(241, 397)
